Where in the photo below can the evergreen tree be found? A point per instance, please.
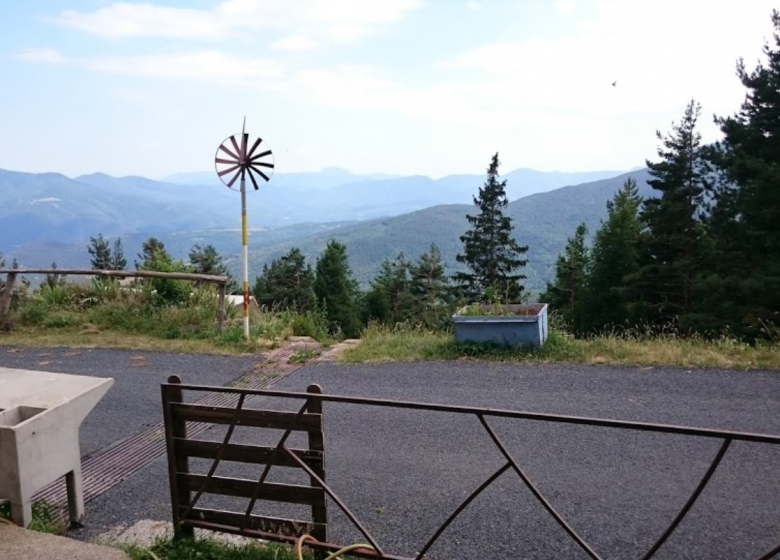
(336, 290)
(54, 280)
(390, 299)
(101, 253)
(287, 284)
(117, 261)
(566, 293)
(610, 299)
(743, 290)
(489, 250)
(430, 288)
(207, 260)
(675, 244)
(150, 249)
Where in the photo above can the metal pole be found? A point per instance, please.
(245, 256)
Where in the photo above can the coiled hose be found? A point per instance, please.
(299, 548)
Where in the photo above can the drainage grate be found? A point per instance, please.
(107, 467)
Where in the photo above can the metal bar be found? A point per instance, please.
(702, 483)
(270, 463)
(460, 508)
(218, 458)
(771, 554)
(336, 499)
(502, 413)
(547, 505)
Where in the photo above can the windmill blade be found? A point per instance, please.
(235, 146)
(264, 164)
(263, 175)
(229, 170)
(228, 152)
(252, 177)
(244, 142)
(254, 147)
(233, 180)
(227, 161)
(258, 156)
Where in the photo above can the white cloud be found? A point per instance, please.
(209, 66)
(566, 8)
(473, 5)
(293, 43)
(553, 98)
(337, 20)
(40, 55)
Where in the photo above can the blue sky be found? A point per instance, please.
(428, 87)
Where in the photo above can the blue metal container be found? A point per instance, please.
(516, 325)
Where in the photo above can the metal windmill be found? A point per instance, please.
(234, 162)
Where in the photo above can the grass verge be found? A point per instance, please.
(43, 519)
(210, 549)
(383, 344)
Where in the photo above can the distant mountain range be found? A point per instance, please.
(49, 217)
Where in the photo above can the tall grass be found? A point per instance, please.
(76, 311)
(631, 347)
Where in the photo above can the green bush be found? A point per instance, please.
(59, 319)
(34, 312)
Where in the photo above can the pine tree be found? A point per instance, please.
(490, 252)
(430, 288)
(117, 261)
(207, 260)
(54, 280)
(610, 298)
(336, 290)
(675, 243)
(743, 290)
(390, 299)
(151, 249)
(287, 284)
(101, 253)
(566, 293)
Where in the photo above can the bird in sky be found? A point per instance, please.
(614, 83)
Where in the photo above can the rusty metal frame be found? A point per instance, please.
(482, 414)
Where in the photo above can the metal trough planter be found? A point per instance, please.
(505, 325)
(40, 416)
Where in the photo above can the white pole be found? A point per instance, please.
(245, 256)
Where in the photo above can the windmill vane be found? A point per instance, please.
(240, 157)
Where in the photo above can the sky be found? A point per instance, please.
(430, 87)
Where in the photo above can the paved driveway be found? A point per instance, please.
(403, 472)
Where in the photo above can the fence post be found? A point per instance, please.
(317, 443)
(5, 301)
(175, 427)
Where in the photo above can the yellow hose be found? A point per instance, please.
(299, 548)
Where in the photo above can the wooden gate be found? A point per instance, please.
(187, 487)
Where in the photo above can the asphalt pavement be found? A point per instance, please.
(403, 472)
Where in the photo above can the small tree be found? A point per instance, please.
(567, 291)
(288, 283)
(390, 299)
(54, 280)
(148, 255)
(336, 290)
(207, 260)
(118, 261)
(611, 299)
(430, 288)
(489, 250)
(101, 253)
